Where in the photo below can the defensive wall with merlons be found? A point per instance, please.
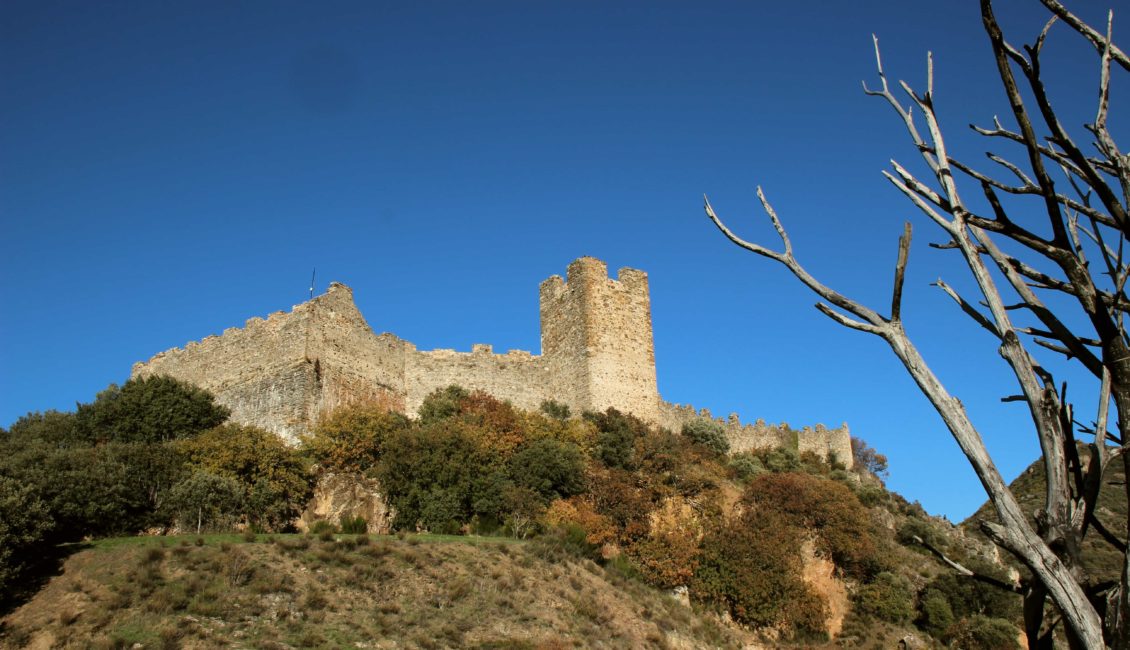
(284, 372)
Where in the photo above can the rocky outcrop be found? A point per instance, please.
(339, 496)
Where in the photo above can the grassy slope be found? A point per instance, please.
(384, 593)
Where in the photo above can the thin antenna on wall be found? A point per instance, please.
(306, 351)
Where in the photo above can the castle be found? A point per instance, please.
(284, 372)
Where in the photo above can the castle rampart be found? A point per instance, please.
(284, 372)
(517, 375)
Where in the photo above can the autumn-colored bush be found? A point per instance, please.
(499, 420)
(843, 528)
(622, 498)
(579, 513)
(668, 556)
(351, 438)
(751, 568)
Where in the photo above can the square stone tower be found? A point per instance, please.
(596, 339)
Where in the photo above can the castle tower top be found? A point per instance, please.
(597, 338)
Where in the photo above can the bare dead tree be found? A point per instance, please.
(1082, 259)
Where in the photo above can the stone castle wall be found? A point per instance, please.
(284, 372)
(519, 376)
(820, 440)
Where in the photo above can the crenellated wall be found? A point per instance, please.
(820, 440)
(517, 375)
(284, 372)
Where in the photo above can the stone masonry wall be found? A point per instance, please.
(517, 375)
(284, 372)
(820, 440)
(597, 339)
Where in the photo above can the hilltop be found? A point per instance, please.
(604, 519)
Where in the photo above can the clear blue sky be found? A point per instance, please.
(168, 170)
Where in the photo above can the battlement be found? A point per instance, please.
(818, 439)
(287, 370)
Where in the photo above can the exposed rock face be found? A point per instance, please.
(287, 371)
(340, 496)
(820, 574)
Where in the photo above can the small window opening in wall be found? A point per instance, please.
(318, 370)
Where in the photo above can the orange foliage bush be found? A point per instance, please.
(615, 494)
(500, 422)
(752, 570)
(350, 438)
(843, 527)
(575, 511)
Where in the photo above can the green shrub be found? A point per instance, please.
(555, 410)
(935, 614)
(54, 428)
(99, 490)
(206, 501)
(322, 526)
(707, 433)
(274, 483)
(150, 409)
(746, 466)
(524, 508)
(616, 437)
(354, 525)
(24, 522)
(968, 597)
(551, 468)
(782, 459)
(983, 633)
(442, 475)
(888, 597)
(915, 527)
(441, 404)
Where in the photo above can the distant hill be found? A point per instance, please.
(1102, 561)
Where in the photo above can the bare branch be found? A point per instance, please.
(900, 273)
(1015, 588)
(776, 222)
(847, 322)
(969, 309)
(869, 316)
(1057, 8)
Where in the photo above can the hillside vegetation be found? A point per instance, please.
(309, 592)
(770, 544)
